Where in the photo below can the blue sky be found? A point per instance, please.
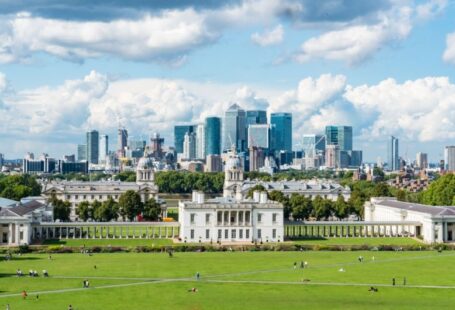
(385, 67)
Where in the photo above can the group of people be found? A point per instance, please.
(302, 265)
(86, 284)
(31, 273)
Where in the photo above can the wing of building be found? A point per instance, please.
(437, 223)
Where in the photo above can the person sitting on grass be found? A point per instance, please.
(193, 290)
(45, 273)
(24, 294)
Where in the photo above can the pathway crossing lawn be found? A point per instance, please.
(233, 280)
(107, 242)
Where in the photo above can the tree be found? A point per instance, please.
(301, 206)
(400, 195)
(322, 208)
(84, 211)
(341, 208)
(441, 192)
(108, 210)
(151, 210)
(130, 205)
(19, 186)
(278, 196)
(96, 205)
(381, 190)
(62, 209)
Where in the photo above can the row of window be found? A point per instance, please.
(233, 218)
(233, 234)
(84, 197)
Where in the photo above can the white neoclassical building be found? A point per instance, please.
(76, 192)
(435, 223)
(231, 218)
(16, 222)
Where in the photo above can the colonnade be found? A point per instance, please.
(241, 218)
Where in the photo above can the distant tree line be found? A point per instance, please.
(16, 187)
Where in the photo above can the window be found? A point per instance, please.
(247, 217)
(219, 233)
(207, 234)
(219, 217)
(192, 234)
(233, 233)
(76, 197)
(207, 218)
(192, 217)
(247, 233)
(68, 197)
(273, 233)
(21, 235)
(259, 234)
(259, 217)
(101, 196)
(274, 216)
(93, 196)
(241, 233)
(226, 234)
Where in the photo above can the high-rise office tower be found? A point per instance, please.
(122, 140)
(104, 148)
(93, 141)
(214, 163)
(332, 156)
(200, 141)
(156, 145)
(449, 158)
(2, 159)
(81, 152)
(257, 158)
(422, 160)
(339, 135)
(179, 136)
(235, 128)
(189, 146)
(313, 145)
(254, 117)
(393, 158)
(281, 131)
(259, 136)
(213, 136)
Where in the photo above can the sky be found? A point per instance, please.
(385, 67)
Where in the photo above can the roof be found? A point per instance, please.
(27, 207)
(7, 213)
(417, 207)
(306, 186)
(5, 202)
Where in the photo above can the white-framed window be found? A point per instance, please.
(207, 234)
(259, 217)
(274, 217)
(241, 233)
(219, 233)
(207, 218)
(273, 233)
(226, 234)
(247, 233)
(259, 234)
(233, 233)
(192, 218)
(192, 234)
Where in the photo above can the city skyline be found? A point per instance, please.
(54, 88)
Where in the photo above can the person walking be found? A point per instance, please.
(197, 275)
(393, 281)
(404, 281)
(24, 294)
(7, 307)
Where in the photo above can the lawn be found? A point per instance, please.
(233, 280)
(107, 242)
(361, 241)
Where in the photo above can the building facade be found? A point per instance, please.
(104, 148)
(213, 136)
(259, 136)
(281, 131)
(189, 146)
(393, 157)
(93, 141)
(235, 128)
(449, 158)
(179, 136)
(422, 160)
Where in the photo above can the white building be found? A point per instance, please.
(200, 141)
(16, 222)
(231, 218)
(77, 192)
(449, 158)
(434, 223)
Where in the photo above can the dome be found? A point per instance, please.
(145, 163)
(233, 162)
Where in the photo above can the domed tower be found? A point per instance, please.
(144, 172)
(233, 176)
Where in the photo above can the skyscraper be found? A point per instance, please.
(156, 145)
(200, 141)
(254, 117)
(313, 145)
(104, 148)
(122, 140)
(213, 136)
(332, 153)
(93, 141)
(422, 160)
(81, 152)
(393, 158)
(189, 146)
(449, 158)
(179, 136)
(281, 131)
(259, 136)
(339, 135)
(235, 128)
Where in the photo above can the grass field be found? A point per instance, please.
(360, 241)
(233, 280)
(107, 242)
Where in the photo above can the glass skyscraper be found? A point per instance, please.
(235, 128)
(281, 131)
(393, 159)
(93, 140)
(212, 136)
(256, 117)
(258, 136)
(313, 145)
(179, 136)
(339, 135)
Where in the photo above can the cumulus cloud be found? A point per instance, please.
(430, 9)
(355, 43)
(449, 52)
(422, 110)
(271, 37)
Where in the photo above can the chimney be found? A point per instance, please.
(194, 198)
(256, 196)
(263, 197)
(200, 197)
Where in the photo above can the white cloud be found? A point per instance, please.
(449, 52)
(355, 43)
(271, 37)
(430, 9)
(420, 110)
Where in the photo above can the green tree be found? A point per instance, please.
(84, 211)
(278, 196)
(62, 209)
(152, 210)
(322, 208)
(96, 205)
(341, 208)
(440, 192)
(381, 190)
(301, 206)
(400, 195)
(108, 210)
(130, 205)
